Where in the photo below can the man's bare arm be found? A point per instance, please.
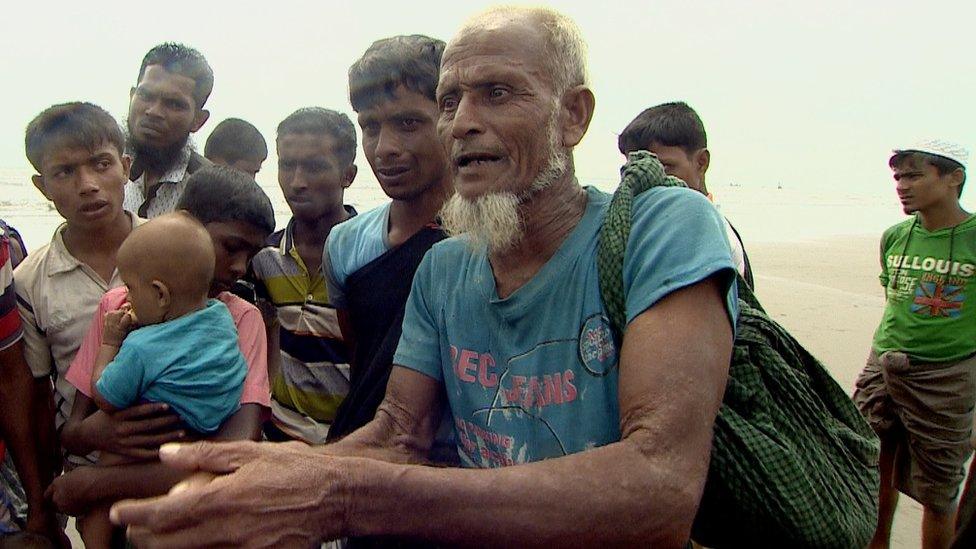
(77, 491)
(18, 428)
(404, 426)
(43, 410)
(641, 491)
(136, 432)
(154, 478)
(245, 424)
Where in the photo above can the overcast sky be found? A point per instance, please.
(811, 94)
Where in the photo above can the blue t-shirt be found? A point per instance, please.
(352, 245)
(534, 375)
(193, 363)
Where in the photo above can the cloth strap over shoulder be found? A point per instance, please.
(793, 463)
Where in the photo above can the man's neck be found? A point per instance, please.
(152, 177)
(703, 188)
(149, 180)
(407, 217)
(548, 217)
(313, 232)
(105, 240)
(153, 174)
(942, 216)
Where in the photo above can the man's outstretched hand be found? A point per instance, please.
(245, 494)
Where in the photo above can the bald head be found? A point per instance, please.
(174, 249)
(561, 45)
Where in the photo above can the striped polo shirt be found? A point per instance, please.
(314, 374)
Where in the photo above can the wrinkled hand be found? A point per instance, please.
(68, 491)
(117, 325)
(136, 432)
(268, 495)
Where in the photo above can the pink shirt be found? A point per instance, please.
(251, 338)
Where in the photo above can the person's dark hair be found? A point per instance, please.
(412, 61)
(235, 139)
(183, 60)
(71, 125)
(220, 194)
(943, 166)
(670, 124)
(319, 121)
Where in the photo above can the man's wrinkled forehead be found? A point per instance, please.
(489, 69)
(514, 46)
(511, 38)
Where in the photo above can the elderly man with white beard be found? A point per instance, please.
(566, 438)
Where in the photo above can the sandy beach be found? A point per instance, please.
(826, 293)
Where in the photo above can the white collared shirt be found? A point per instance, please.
(168, 192)
(57, 297)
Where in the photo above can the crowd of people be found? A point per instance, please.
(441, 369)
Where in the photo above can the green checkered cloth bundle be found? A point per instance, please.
(793, 463)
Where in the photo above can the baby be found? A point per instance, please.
(168, 343)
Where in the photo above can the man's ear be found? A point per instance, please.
(126, 165)
(163, 297)
(577, 106)
(132, 92)
(349, 176)
(702, 160)
(38, 181)
(956, 178)
(199, 120)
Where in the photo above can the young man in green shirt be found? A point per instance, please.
(919, 386)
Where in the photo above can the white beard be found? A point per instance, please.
(491, 220)
(494, 220)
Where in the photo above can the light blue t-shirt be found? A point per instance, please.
(534, 376)
(193, 363)
(352, 245)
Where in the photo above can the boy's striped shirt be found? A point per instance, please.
(314, 375)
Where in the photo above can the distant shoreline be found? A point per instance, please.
(761, 214)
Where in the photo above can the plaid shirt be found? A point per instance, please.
(11, 252)
(12, 506)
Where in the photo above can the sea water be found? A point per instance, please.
(761, 214)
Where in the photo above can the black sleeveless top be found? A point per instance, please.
(376, 297)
